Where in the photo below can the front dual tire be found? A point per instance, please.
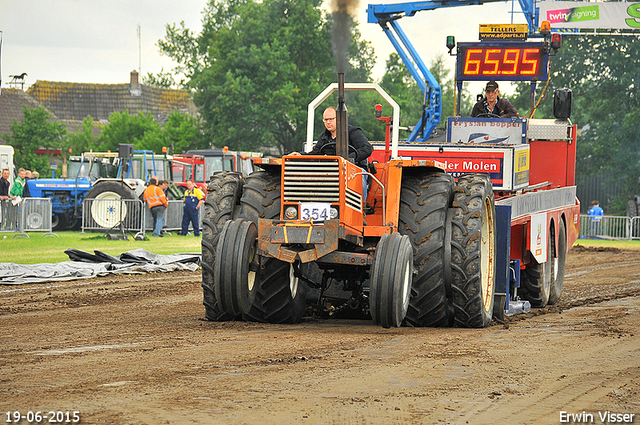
(260, 289)
(391, 277)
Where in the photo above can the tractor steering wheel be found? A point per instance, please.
(487, 115)
(351, 148)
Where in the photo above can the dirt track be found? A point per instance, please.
(136, 350)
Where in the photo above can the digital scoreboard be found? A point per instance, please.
(519, 61)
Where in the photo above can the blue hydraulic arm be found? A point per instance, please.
(387, 15)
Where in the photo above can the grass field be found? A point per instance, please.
(620, 244)
(39, 249)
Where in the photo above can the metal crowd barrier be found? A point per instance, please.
(635, 228)
(28, 215)
(106, 214)
(172, 217)
(610, 227)
(9, 217)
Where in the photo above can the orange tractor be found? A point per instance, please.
(420, 248)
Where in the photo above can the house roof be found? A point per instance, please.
(12, 102)
(73, 102)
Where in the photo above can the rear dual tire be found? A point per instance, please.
(424, 204)
(473, 251)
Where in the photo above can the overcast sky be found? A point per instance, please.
(96, 41)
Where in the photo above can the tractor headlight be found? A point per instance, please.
(291, 213)
(333, 213)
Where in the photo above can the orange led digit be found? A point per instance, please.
(472, 66)
(530, 58)
(511, 57)
(493, 65)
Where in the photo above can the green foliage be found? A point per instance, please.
(180, 133)
(83, 140)
(183, 132)
(255, 67)
(161, 79)
(140, 130)
(35, 131)
(398, 82)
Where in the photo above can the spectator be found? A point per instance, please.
(193, 199)
(157, 201)
(26, 193)
(595, 216)
(18, 184)
(35, 175)
(4, 185)
(164, 185)
(4, 198)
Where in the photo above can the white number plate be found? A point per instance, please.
(315, 211)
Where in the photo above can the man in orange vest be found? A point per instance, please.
(157, 201)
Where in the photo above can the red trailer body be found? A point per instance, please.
(532, 170)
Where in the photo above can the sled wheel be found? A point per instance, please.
(473, 250)
(391, 277)
(558, 264)
(537, 278)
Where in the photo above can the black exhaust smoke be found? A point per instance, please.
(342, 131)
(342, 11)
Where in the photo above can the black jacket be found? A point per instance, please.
(357, 139)
(26, 193)
(4, 187)
(502, 108)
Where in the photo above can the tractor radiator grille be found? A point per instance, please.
(354, 199)
(311, 180)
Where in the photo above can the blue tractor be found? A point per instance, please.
(97, 175)
(67, 193)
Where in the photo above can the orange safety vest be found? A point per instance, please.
(154, 196)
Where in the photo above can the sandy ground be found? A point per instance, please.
(136, 350)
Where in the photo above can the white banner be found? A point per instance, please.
(590, 15)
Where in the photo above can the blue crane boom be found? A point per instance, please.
(387, 16)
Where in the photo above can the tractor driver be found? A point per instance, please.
(493, 106)
(362, 149)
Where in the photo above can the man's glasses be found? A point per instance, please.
(329, 119)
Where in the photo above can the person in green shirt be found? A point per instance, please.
(18, 184)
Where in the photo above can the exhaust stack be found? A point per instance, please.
(342, 131)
